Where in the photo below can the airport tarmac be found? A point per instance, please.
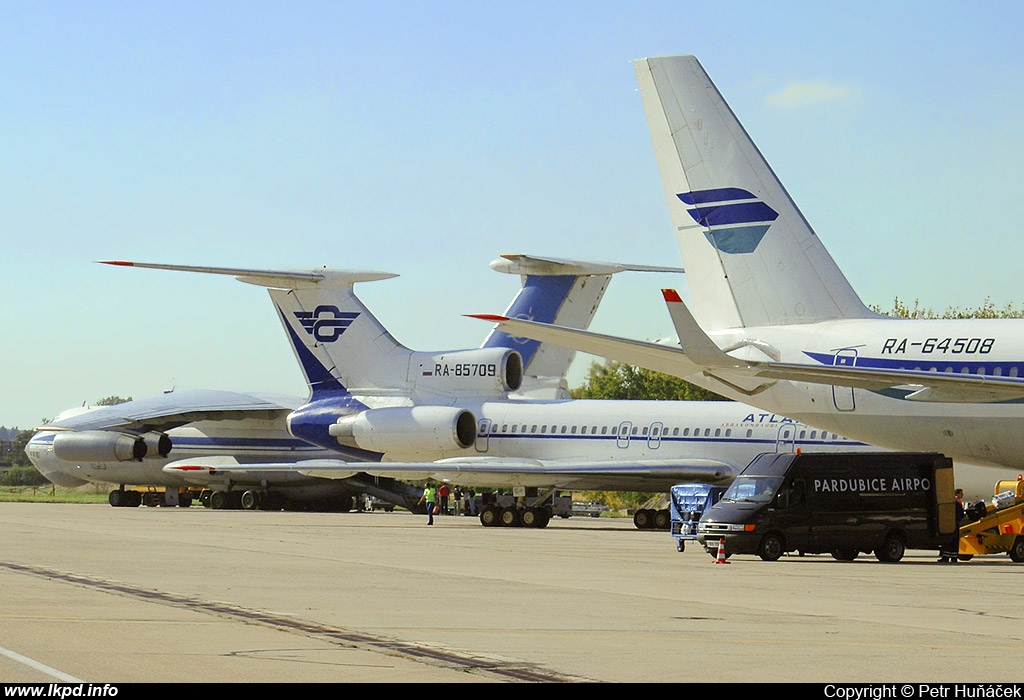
(99, 594)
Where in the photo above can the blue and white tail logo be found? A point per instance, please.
(326, 322)
(735, 220)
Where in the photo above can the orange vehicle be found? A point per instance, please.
(1000, 528)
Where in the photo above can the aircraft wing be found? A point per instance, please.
(632, 475)
(176, 408)
(654, 356)
(698, 353)
(909, 384)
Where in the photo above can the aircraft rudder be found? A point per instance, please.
(750, 256)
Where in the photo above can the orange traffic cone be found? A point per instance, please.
(721, 553)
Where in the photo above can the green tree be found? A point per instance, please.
(901, 309)
(112, 401)
(619, 381)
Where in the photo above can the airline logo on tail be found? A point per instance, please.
(327, 322)
(735, 220)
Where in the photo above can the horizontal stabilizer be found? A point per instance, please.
(519, 264)
(284, 279)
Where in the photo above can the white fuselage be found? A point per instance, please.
(972, 432)
(593, 435)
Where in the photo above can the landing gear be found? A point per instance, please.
(535, 517)
(651, 519)
(225, 500)
(251, 500)
(513, 516)
(119, 498)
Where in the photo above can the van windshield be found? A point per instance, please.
(753, 489)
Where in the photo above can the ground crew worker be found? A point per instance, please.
(430, 498)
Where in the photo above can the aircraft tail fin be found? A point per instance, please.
(751, 258)
(555, 291)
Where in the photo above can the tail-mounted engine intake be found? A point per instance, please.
(407, 429)
(109, 446)
(480, 372)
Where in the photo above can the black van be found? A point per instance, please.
(837, 503)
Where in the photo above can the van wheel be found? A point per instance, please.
(1017, 550)
(892, 549)
(844, 554)
(771, 547)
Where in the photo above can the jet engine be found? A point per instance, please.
(461, 373)
(109, 446)
(407, 429)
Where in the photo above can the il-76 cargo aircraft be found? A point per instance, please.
(131, 443)
(461, 416)
(776, 324)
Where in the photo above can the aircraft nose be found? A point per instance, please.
(40, 453)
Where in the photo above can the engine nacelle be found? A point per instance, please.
(407, 429)
(157, 445)
(98, 446)
(481, 372)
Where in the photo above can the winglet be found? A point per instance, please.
(489, 317)
(697, 345)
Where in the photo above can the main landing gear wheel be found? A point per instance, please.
(535, 517)
(642, 519)
(119, 498)
(489, 516)
(662, 519)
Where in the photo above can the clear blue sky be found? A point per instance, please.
(427, 138)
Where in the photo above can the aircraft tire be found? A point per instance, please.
(530, 517)
(662, 519)
(219, 500)
(251, 500)
(489, 516)
(642, 519)
(509, 517)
